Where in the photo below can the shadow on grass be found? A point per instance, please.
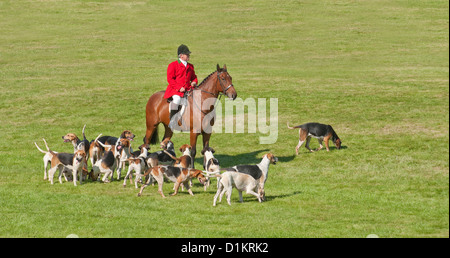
(249, 158)
(269, 198)
(332, 148)
(274, 197)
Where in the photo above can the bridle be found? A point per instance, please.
(224, 89)
(224, 92)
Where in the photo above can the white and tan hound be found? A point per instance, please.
(260, 172)
(47, 161)
(79, 166)
(242, 182)
(138, 164)
(60, 161)
(184, 161)
(210, 163)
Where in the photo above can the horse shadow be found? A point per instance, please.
(249, 158)
(225, 160)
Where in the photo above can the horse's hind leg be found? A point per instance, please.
(151, 135)
(152, 120)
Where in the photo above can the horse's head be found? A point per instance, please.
(225, 84)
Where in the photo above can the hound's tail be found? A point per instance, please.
(212, 174)
(84, 136)
(40, 148)
(48, 149)
(170, 155)
(290, 127)
(149, 170)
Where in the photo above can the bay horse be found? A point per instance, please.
(157, 109)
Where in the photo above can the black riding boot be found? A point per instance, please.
(174, 118)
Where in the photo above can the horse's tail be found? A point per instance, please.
(154, 139)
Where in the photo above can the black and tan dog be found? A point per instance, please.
(321, 132)
(96, 150)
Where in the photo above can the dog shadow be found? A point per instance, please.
(333, 148)
(270, 198)
(286, 158)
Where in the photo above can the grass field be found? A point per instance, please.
(378, 71)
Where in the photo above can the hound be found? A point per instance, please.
(59, 161)
(321, 132)
(96, 150)
(76, 142)
(210, 163)
(174, 174)
(47, 160)
(123, 146)
(79, 165)
(138, 164)
(110, 140)
(163, 156)
(260, 172)
(185, 161)
(242, 182)
(106, 164)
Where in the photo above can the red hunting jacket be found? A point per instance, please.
(179, 76)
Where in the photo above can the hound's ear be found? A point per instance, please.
(212, 150)
(218, 68)
(203, 152)
(225, 67)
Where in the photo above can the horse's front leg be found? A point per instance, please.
(194, 148)
(206, 137)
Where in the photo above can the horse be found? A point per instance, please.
(157, 109)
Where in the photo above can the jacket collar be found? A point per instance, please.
(179, 62)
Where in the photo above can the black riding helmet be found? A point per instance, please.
(183, 49)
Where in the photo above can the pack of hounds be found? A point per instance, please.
(108, 154)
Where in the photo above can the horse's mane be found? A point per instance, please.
(207, 77)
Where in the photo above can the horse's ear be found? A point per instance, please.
(218, 68)
(225, 67)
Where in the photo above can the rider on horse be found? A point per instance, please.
(181, 77)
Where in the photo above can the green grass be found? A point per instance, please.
(378, 71)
